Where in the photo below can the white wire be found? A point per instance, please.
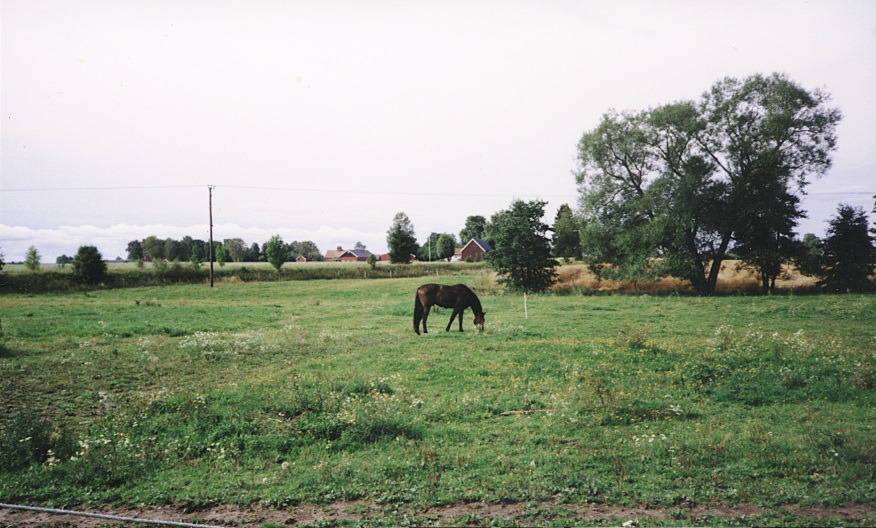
(59, 511)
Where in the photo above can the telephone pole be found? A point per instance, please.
(210, 256)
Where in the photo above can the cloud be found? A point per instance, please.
(112, 241)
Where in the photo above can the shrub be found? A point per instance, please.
(88, 266)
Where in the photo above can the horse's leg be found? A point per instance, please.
(418, 313)
(461, 312)
(426, 316)
(451, 320)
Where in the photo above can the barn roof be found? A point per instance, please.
(480, 243)
(358, 253)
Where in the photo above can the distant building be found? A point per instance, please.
(354, 255)
(301, 258)
(333, 255)
(474, 250)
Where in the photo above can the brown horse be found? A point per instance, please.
(458, 297)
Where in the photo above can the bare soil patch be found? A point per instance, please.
(469, 514)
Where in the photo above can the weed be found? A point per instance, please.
(29, 439)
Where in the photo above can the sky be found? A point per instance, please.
(320, 120)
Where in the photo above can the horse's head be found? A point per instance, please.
(479, 321)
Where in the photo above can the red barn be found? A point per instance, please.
(474, 250)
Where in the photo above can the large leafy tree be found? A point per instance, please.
(135, 251)
(672, 189)
(847, 257)
(153, 248)
(522, 251)
(235, 248)
(474, 228)
(401, 240)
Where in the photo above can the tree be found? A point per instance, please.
(235, 248)
(522, 250)
(667, 191)
(446, 246)
(219, 251)
(808, 255)
(88, 266)
(153, 248)
(276, 252)
(2, 262)
(135, 250)
(848, 258)
(474, 228)
(438, 246)
(32, 259)
(253, 253)
(175, 250)
(567, 235)
(372, 260)
(311, 251)
(401, 240)
(63, 260)
(359, 245)
(429, 249)
(195, 258)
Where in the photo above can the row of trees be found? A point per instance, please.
(525, 256)
(155, 249)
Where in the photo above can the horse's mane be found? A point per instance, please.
(475, 302)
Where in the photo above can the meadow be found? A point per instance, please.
(284, 394)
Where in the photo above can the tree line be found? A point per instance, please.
(155, 249)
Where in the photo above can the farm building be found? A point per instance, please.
(301, 258)
(384, 257)
(474, 250)
(354, 255)
(333, 255)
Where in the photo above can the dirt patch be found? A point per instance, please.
(471, 514)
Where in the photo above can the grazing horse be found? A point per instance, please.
(458, 297)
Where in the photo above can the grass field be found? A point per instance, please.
(294, 393)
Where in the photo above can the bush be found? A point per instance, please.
(88, 266)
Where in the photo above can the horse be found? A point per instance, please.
(458, 297)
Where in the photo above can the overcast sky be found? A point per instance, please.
(321, 120)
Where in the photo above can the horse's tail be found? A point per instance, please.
(418, 312)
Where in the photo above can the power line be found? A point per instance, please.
(336, 191)
(116, 188)
(382, 193)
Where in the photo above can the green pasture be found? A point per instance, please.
(294, 392)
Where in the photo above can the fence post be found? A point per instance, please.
(525, 307)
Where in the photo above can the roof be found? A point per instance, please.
(333, 253)
(480, 243)
(358, 253)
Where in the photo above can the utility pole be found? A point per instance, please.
(210, 257)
